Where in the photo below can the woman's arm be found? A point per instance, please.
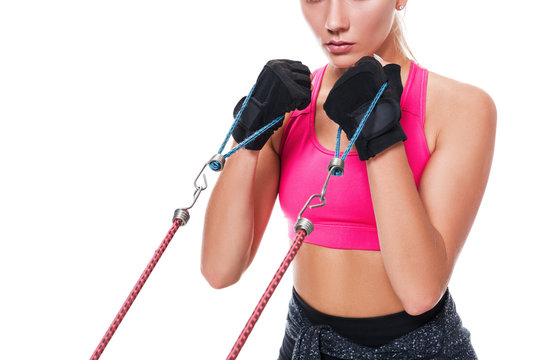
(421, 232)
(238, 212)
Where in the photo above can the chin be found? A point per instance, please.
(345, 61)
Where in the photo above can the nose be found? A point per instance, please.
(336, 20)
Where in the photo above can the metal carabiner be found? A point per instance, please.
(182, 213)
(323, 192)
(198, 189)
(312, 206)
(204, 177)
(306, 224)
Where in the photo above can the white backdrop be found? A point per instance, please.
(109, 109)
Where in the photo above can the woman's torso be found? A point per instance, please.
(349, 283)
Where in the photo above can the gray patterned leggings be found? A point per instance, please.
(437, 334)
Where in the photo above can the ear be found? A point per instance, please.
(401, 2)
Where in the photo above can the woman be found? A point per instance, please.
(371, 281)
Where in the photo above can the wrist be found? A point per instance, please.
(243, 159)
(386, 157)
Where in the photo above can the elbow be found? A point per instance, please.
(421, 304)
(221, 268)
(219, 279)
(416, 309)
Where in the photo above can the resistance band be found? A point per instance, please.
(303, 228)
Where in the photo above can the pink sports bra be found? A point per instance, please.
(347, 221)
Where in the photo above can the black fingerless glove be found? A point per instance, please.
(282, 86)
(350, 98)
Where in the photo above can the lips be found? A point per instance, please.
(334, 42)
(339, 47)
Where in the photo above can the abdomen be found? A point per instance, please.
(347, 283)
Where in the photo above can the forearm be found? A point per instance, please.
(413, 251)
(228, 225)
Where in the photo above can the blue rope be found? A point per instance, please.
(360, 127)
(337, 172)
(338, 139)
(254, 135)
(214, 165)
(236, 120)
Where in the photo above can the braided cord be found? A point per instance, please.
(293, 250)
(133, 294)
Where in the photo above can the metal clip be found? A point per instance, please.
(312, 206)
(182, 213)
(306, 224)
(198, 189)
(323, 192)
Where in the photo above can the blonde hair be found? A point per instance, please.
(400, 42)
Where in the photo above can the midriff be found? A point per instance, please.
(347, 283)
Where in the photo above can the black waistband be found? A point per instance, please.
(372, 331)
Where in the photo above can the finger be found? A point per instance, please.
(301, 79)
(299, 67)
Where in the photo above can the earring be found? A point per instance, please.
(400, 7)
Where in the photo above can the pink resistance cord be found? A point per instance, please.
(300, 235)
(133, 294)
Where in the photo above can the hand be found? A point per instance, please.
(350, 98)
(282, 86)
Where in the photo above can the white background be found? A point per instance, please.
(109, 109)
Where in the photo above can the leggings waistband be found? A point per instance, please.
(371, 331)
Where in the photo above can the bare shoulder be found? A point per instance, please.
(455, 107)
